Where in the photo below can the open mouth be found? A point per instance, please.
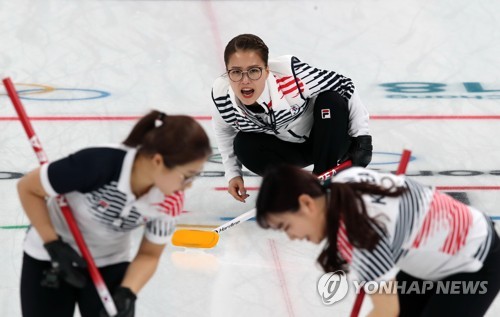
(247, 92)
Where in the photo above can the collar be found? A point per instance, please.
(265, 98)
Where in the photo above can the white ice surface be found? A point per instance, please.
(165, 54)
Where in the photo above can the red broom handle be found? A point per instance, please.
(99, 283)
(403, 162)
(330, 173)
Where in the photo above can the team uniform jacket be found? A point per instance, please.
(427, 234)
(287, 100)
(96, 183)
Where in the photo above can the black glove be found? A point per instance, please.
(124, 300)
(360, 151)
(65, 263)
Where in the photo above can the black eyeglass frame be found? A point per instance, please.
(247, 72)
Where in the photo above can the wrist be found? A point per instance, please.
(235, 178)
(130, 291)
(229, 174)
(49, 236)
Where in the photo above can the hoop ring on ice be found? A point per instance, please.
(33, 89)
(94, 94)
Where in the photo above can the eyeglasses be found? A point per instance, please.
(188, 179)
(253, 73)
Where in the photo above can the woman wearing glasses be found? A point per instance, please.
(111, 191)
(284, 111)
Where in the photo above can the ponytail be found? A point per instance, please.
(179, 139)
(346, 204)
(141, 128)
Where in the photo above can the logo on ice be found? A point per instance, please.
(333, 287)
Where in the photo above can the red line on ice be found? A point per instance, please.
(207, 117)
(281, 277)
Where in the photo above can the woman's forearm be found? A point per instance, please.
(140, 271)
(143, 266)
(33, 201)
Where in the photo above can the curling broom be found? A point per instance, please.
(208, 239)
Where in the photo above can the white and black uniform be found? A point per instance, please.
(428, 235)
(96, 183)
(287, 102)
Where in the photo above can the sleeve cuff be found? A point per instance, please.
(229, 175)
(44, 178)
(158, 231)
(157, 240)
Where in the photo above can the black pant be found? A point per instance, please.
(40, 301)
(469, 305)
(327, 142)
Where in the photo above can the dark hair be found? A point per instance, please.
(246, 42)
(280, 191)
(179, 139)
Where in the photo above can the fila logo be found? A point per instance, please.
(325, 114)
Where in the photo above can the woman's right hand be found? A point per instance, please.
(65, 263)
(237, 188)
